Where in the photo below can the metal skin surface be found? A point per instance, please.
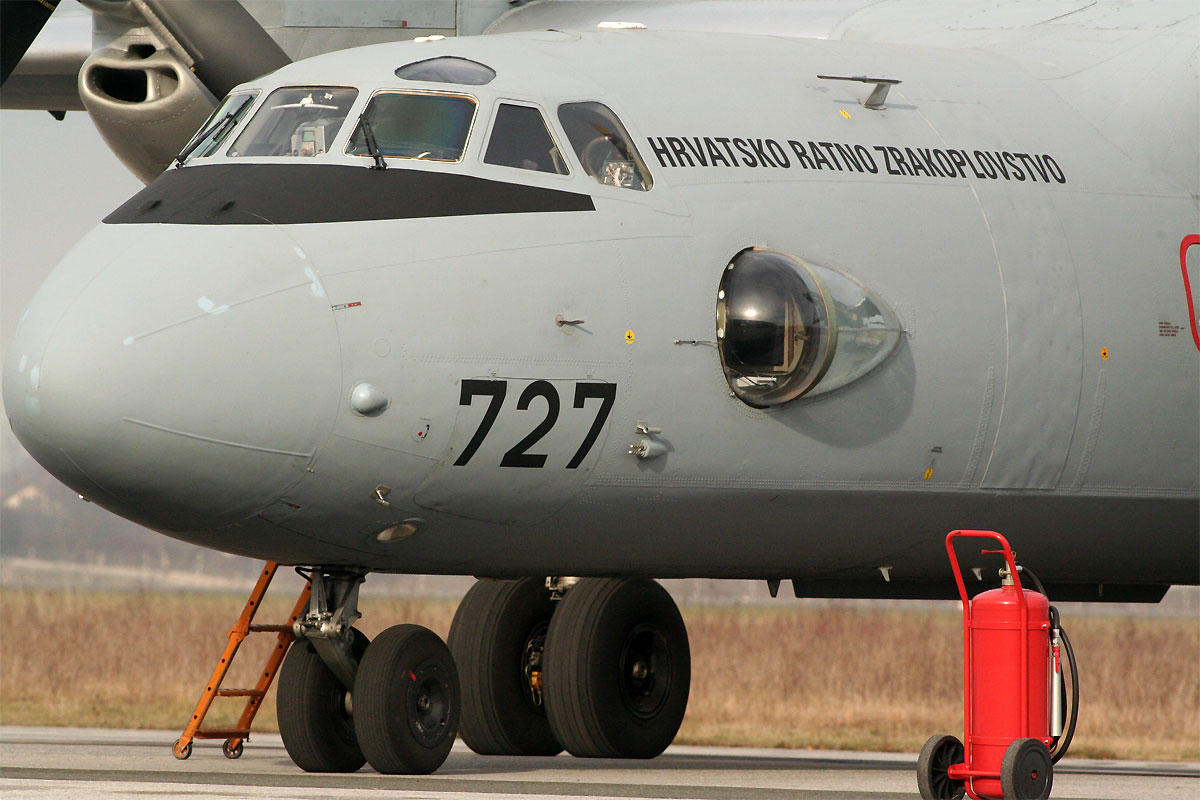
(1033, 392)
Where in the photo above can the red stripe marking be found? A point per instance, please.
(1188, 241)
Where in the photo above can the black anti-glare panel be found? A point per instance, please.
(283, 194)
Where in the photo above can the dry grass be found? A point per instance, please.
(883, 680)
(791, 677)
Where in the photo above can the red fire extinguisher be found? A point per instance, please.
(1012, 692)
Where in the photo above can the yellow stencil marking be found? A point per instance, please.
(844, 113)
(1104, 354)
(629, 336)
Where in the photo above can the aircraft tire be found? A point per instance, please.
(618, 669)
(406, 701)
(314, 718)
(497, 636)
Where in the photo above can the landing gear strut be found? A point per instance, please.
(315, 711)
(344, 701)
(315, 708)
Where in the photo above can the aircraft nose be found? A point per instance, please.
(181, 376)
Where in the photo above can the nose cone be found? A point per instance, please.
(181, 376)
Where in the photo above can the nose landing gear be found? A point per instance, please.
(393, 704)
(408, 698)
(315, 711)
(602, 672)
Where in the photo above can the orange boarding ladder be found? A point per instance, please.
(235, 737)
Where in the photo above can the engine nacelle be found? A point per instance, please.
(143, 100)
(158, 69)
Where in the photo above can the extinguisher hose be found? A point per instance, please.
(1063, 741)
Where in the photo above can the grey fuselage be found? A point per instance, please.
(191, 363)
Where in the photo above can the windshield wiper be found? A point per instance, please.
(372, 147)
(209, 131)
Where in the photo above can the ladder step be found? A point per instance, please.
(229, 734)
(240, 693)
(271, 628)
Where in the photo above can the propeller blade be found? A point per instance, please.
(226, 44)
(20, 23)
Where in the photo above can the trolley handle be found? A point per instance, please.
(1006, 551)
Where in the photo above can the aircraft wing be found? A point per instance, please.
(149, 72)
(42, 73)
(43, 54)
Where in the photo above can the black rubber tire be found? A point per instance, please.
(499, 625)
(937, 756)
(407, 701)
(603, 634)
(314, 721)
(1026, 772)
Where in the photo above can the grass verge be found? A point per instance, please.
(768, 677)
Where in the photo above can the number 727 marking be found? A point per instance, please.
(518, 455)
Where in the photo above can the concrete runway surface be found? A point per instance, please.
(84, 763)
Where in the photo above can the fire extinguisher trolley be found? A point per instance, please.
(1011, 686)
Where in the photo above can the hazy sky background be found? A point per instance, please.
(57, 180)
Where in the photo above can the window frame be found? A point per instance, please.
(265, 94)
(554, 138)
(632, 137)
(217, 148)
(467, 141)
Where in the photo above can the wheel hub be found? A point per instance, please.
(428, 701)
(531, 665)
(645, 670)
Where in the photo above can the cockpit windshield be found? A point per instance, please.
(424, 125)
(222, 122)
(296, 121)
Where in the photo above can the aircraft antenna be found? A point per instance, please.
(875, 101)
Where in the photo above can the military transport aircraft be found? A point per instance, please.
(624, 291)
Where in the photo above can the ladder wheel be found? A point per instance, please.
(181, 750)
(232, 748)
(315, 712)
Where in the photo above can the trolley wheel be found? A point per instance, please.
(181, 750)
(933, 768)
(406, 701)
(232, 748)
(498, 640)
(618, 669)
(315, 712)
(1026, 771)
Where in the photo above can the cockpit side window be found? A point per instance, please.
(296, 121)
(520, 139)
(222, 122)
(424, 125)
(603, 146)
